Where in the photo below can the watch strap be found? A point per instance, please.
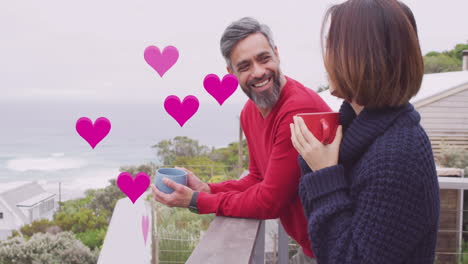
(193, 207)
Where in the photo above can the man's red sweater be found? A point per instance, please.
(270, 190)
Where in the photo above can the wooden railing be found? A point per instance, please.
(237, 240)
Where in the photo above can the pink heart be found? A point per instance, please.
(220, 90)
(93, 134)
(161, 62)
(181, 112)
(133, 188)
(145, 226)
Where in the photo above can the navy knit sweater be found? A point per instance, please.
(380, 204)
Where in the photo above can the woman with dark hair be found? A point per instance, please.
(371, 196)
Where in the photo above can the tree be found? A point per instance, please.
(83, 220)
(168, 150)
(149, 169)
(457, 52)
(205, 163)
(73, 206)
(445, 61)
(202, 166)
(441, 63)
(165, 151)
(229, 155)
(93, 238)
(104, 200)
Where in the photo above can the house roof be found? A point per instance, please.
(17, 193)
(440, 84)
(35, 199)
(4, 187)
(433, 85)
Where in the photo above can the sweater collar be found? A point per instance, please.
(361, 131)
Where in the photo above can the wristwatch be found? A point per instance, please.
(193, 203)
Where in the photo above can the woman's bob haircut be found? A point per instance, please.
(372, 53)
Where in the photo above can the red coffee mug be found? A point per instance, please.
(322, 125)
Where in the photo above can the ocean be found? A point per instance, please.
(38, 140)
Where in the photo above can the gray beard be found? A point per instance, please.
(266, 99)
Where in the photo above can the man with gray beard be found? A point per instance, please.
(270, 190)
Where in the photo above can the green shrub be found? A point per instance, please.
(62, 248)
(453, 157)
(81, 221)
(92, 238)
(104, 200)
(38, 226)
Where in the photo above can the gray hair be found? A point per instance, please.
(239, 30)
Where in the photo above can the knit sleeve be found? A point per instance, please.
(380, 222)
(303, 165)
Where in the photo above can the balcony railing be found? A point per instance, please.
(450, 235)
(238, 240)
(229, 240)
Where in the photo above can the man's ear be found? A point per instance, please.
(275, 50)
(229, 69)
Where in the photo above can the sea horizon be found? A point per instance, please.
(39, 142)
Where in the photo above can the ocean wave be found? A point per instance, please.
(71, 187)
(88, 179)
(54, 163)
(94, 179)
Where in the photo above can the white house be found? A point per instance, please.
(21, 203)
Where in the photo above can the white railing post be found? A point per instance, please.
(460, 235)
(125, 238)
(459, 184)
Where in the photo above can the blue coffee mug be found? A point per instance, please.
(176, 175)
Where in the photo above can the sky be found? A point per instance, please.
(55, 50)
